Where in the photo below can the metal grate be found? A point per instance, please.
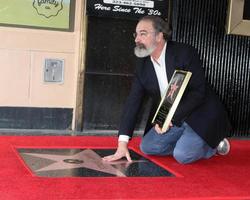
(226, 58)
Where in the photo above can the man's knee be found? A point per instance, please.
(146, 149)
(185, 157)
(156, 149)
(152, 149)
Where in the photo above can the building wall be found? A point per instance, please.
(226, 58)
(22, 55)
(26, 102)
(109, 63)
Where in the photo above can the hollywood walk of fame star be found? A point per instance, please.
(84, 159)
(173, 89)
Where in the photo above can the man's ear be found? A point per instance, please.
(159, 37)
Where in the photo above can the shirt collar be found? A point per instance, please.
(161, 59)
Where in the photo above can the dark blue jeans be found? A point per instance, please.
(183, 143)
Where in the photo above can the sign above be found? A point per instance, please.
(129, 9)
(42, 14)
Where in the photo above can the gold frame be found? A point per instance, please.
(235, 22)
(165, 118)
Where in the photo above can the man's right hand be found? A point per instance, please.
(122, 151)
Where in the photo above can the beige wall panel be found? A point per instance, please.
(52, 94)
(39, 40)
(14, 77)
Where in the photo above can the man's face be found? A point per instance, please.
(145, 39)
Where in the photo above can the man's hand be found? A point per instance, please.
(159, 130)
(122, 151)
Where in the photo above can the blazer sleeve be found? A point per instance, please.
(132, 107)
(195, 92)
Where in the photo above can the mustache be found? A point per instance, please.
(140, 46)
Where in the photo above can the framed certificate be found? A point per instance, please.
(171, 99)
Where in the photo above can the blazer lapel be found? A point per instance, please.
(170, 57)
(152, 78)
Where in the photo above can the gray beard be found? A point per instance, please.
(141, 52)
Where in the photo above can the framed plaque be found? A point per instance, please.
(171, 99)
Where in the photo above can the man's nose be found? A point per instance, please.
(137, 38)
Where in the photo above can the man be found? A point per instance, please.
(199, 123)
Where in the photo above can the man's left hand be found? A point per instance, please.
(158, 129)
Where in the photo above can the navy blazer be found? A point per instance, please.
(199, 106)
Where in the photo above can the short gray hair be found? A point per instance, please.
(159, 25)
